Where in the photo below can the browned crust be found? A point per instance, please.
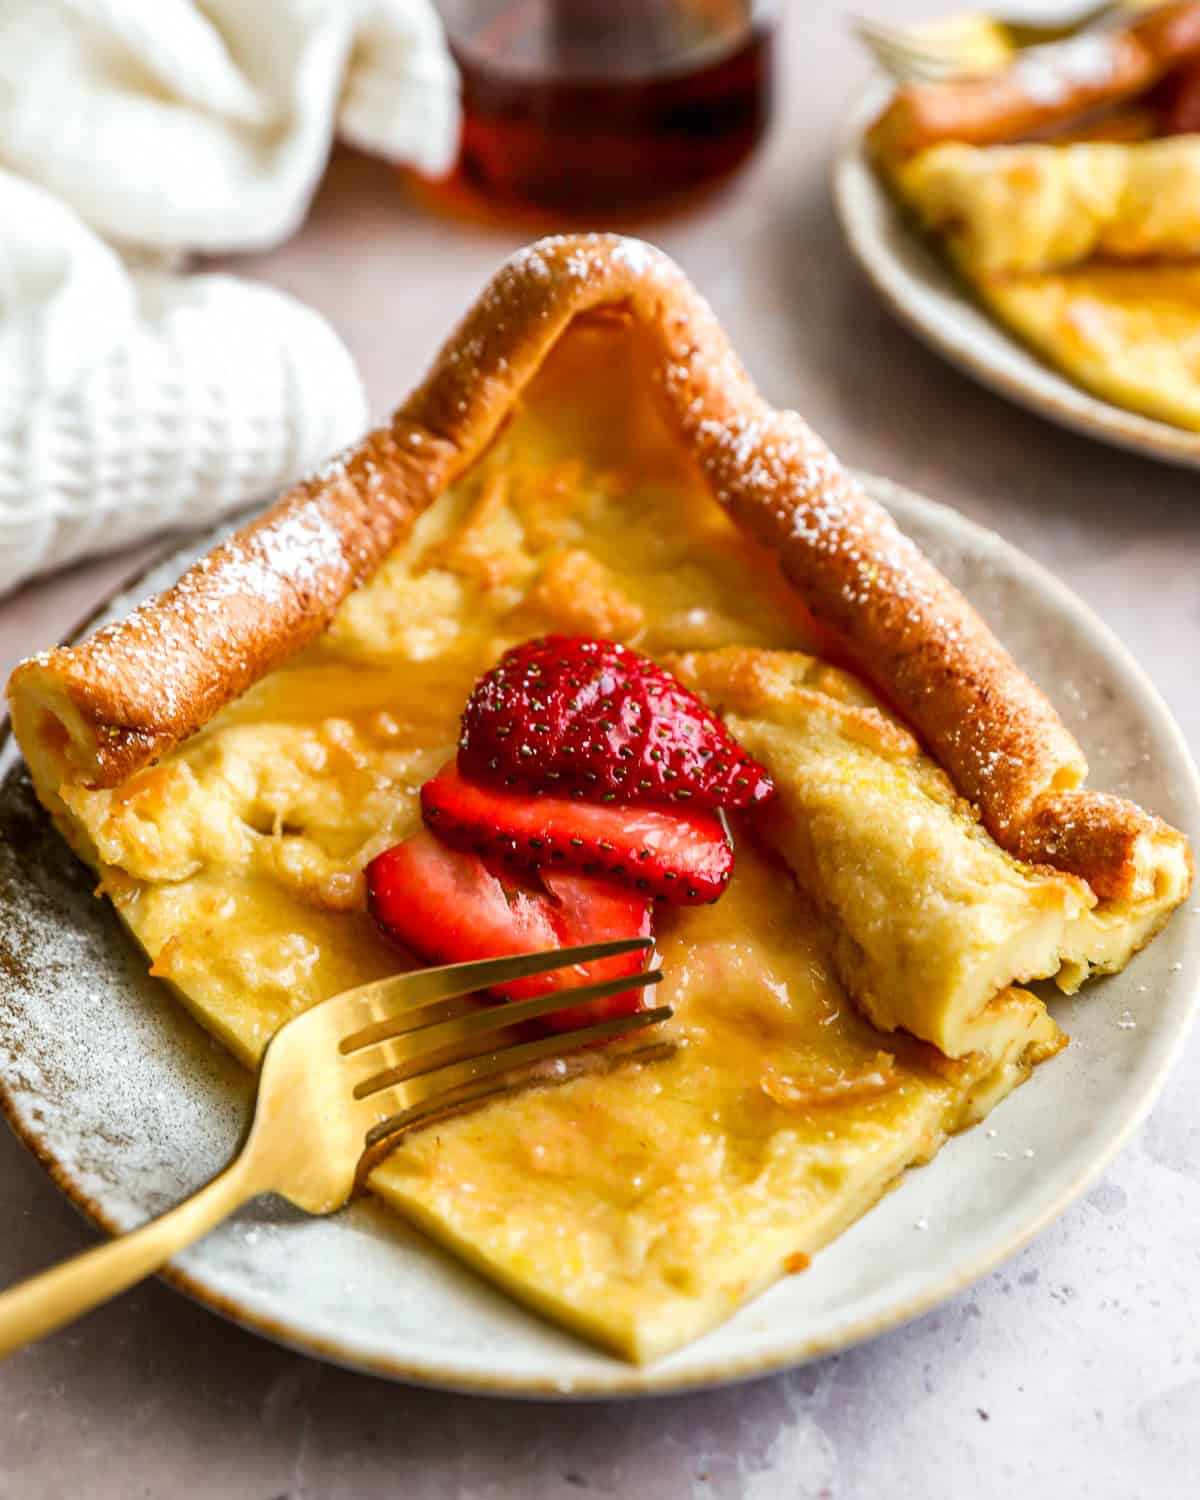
(140, 686)
(145, 683)
(1101, 838)
(1018, 101)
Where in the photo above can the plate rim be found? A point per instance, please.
(628, 1381)
(1046, 392)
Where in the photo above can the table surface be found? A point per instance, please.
(1075, 1368)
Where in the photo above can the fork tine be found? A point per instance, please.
(429, 1043)
(903, 70)
(911, 56)
(907, 60)
(900, 40)
(426, 987)
(880, 31)
(418, 1094)
(456, 1101)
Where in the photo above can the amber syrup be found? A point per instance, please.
(563, 126)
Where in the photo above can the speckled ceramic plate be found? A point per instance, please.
(130, 1105)
(921, 291)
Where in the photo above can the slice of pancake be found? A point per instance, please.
(1089, 252)
(860, 809)
(1130, 334)
(231, 757)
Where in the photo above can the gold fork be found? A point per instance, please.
(970, 43)
(337, 1084)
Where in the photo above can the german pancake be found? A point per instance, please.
(588, 461)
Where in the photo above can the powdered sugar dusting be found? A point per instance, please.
(1048, 75)
(869, 583)
(192, 629)
(530, 261)
(585, 258)
(136, 1107)
(291, 550)
(82, 1014)
(635, 255)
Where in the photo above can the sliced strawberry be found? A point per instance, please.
(448, 907)
(592, 911)
(592, 719)
(683, 856)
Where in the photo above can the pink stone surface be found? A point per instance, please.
(1004, 1389)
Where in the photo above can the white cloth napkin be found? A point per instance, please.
(132, 397)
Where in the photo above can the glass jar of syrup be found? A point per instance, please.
(580, 107)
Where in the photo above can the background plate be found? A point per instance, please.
(130, 1105)
(921, 291)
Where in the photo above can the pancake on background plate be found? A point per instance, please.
(1065, 189)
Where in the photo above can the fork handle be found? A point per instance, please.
(43, 1303)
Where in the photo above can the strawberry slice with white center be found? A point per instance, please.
(683, 856)
(448, 907)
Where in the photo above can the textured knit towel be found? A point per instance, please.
(133, 399)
